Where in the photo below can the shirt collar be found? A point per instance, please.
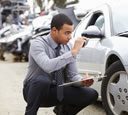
(52, 43)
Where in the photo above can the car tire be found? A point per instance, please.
(114, 90)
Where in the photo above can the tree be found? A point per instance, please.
(39, 3)
(64, 3)
(60, 3)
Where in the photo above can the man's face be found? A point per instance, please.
(64, 34)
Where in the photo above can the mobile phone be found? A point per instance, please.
(85, 43)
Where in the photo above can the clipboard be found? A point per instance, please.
(77, 82)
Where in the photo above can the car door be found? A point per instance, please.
(91, 57)
(81, 60)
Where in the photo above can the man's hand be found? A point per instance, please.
(78, 45)
(87, 82)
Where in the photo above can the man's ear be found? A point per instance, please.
(54, 29)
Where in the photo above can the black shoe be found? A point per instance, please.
(58, 110)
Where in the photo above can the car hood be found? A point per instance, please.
(4, 29)
(23, 33)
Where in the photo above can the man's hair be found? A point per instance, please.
(59, 20)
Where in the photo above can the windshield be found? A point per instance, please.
(120, 18)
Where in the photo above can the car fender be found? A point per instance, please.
(118, 50)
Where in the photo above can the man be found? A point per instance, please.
(41, 84)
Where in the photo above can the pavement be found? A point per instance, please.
(11, 100)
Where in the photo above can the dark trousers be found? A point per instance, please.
(38, 92)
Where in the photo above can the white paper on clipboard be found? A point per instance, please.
(75, 82)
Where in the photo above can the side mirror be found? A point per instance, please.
(92, 32)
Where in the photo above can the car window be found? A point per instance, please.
(100, 23)
(98, 20)
(82, 26)
(119, 17)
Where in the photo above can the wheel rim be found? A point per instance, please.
(117, 93)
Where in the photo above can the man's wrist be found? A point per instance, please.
(74, 52)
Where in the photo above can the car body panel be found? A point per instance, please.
(98, 50)
(94, 57)
(15, 32)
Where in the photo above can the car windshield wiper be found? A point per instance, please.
(125, 34)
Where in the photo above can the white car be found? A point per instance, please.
(106, 53)
(11, 35)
